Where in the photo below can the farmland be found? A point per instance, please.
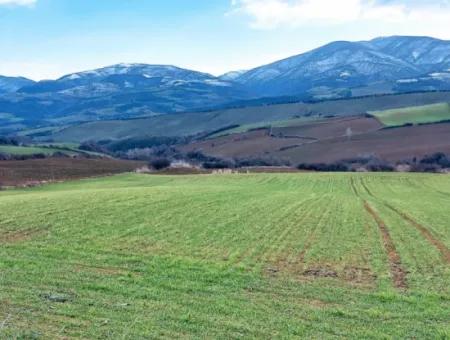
(68, 149)
(191, 123)
(34, 171)
(414, 115)
(29, 150)
(227, 256)
(326, 141)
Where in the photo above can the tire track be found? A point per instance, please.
(441, 247)
(398, 273)
(396, 268)
(445, 252)
(366, 188)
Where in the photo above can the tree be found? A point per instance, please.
(160, 163)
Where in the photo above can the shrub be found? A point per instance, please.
(332, 167)
(92, 147)
(438, 158)
(9, 141)
(261, 161)
(218, 164)
(59, 154)
(160, 163)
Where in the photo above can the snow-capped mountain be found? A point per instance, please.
(126, 77)
(231, 76)
(426, 53)
(12, 84)
(339, 69)
(123, 91)
(379, 63)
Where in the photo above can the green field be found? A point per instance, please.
(261, 125)
(26, 150)
(70, 149)
(227, 256)
(414, 115)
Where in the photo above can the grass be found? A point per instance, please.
(266, 124)
(414, 115)
(26, 150)
(226, 256)
(69, 149)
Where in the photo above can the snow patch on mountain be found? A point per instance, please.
(407, 81)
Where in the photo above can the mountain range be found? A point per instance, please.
(337, 70)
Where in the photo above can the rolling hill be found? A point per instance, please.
(337, 70)
(433, 113)
(188, 124)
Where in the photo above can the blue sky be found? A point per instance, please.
(44, 39)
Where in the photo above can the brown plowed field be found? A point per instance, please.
(335, 127)
(13, 173)
(326, 142)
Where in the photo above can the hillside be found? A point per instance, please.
(326, 141)
(118, 91)
(200, 122)
(12, 84)
(414, 115)
(390, 64)
(340, 69)
(253, 256)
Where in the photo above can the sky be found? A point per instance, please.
(45, 39)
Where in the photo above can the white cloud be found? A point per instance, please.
(268, 14)
(18, 2)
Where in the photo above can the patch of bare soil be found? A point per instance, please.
(359, 275)
(320, 272)
(397, 272)
(18, 236)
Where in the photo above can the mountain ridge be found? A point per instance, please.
(340, 69)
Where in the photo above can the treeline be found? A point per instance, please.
(124, 145)
(57, 154)
(13, 141)
(435, 163)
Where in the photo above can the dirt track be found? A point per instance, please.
(395, 263)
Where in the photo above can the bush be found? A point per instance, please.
(92, 147)
(160, 163)
(332, 167)
(266, 161)
(59, 154)
(218, 164)
(143, 143)
(438, 158)
(379, 166)
(9, 141)
(199, 156)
